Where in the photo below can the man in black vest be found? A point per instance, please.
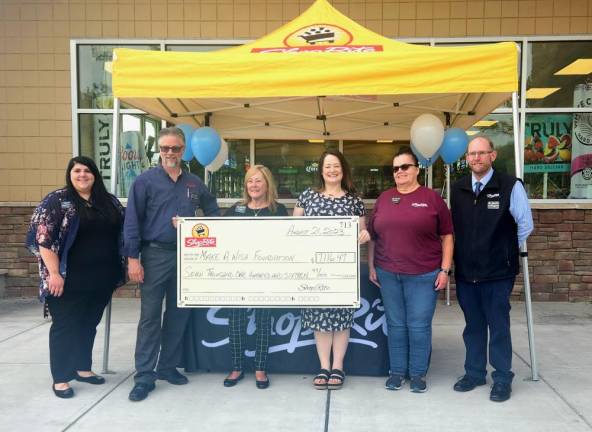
(491, 217)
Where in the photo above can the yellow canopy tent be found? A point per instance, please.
(321, 75)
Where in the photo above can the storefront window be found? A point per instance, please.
(371, 164)
(559, 75)
(94, 74)
(137, 146)
(294, 164)
(556, 73)
(228, 181)
(558, 156)
(196, 48)
(498, 128)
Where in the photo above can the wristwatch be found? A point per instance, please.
(447, 271)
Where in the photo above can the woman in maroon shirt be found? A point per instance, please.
(409, 258)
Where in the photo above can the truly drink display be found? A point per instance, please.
(581, 159)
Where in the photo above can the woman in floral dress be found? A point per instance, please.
(336, 196)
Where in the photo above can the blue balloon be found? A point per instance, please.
(205, 144)
(188, 132)
(423, 161)
(454, 145)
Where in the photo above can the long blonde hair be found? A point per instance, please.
(271, 195)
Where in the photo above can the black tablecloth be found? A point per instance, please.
(291, 349)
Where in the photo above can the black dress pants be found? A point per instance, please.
(75, 316)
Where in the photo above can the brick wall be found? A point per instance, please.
(560, 256)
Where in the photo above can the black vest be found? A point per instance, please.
(486, 234)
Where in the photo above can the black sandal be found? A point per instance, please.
(324, 376)
(338, 375)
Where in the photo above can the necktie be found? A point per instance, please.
(478, 186)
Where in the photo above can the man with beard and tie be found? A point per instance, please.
(491, 217)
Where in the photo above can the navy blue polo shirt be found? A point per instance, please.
(154, 199)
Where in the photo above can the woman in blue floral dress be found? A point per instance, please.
(336, 196)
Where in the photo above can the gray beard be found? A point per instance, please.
(171, 164)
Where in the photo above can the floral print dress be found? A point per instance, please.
(316, 204)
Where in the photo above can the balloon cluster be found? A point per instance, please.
(205, 145)
(429, 141)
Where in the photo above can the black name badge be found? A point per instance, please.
(493, 205)
(395, 200)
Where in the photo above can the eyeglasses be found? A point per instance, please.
(403, 167)
(174, 149)
(479, 153)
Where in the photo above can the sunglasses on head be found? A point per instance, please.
(174, 149)
(403, 167)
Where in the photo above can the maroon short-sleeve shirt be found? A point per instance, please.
(406, 229)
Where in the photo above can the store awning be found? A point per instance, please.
(321, 75)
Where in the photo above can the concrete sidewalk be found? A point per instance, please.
(560, 401)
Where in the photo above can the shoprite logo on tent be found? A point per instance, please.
(319, 38)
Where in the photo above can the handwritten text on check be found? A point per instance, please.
(268, 262)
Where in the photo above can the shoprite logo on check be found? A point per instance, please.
(200, 237)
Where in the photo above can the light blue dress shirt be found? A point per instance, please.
(519, 206)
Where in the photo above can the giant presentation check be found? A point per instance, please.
(268, 262)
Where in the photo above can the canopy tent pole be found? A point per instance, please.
(523, 248)
(448, 124)
(114, 168)
(448, 204)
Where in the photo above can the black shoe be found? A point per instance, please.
(500, 392)
(394, 382)
(94, 379)
(63, 394)
(262, 384)
(467, 383)
(336, 375)
(173, 377)
(417, 384)
(140, 391)
(231, 382)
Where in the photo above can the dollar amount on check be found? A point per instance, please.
(268, 262)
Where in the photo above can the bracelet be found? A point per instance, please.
(447, 271)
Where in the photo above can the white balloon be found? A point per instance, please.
(427, 133)
(222, 156)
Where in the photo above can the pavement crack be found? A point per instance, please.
(86, 411)
(24, 331)
(557, 392)
(327, 411)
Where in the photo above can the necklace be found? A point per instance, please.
(333, 195)
(256, 211)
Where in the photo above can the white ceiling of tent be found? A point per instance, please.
(333, 117)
